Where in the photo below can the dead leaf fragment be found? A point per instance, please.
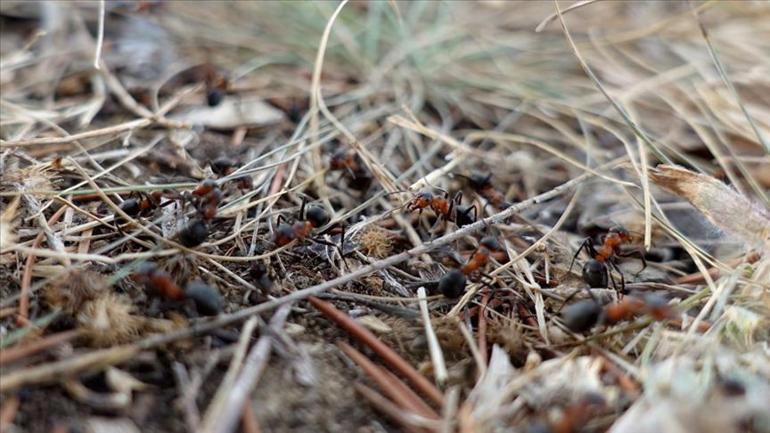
(720, 204)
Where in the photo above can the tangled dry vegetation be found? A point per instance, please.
(246, 216)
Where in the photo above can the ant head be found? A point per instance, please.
(424, 195)
(490, 243)
(621, 232)
(452, 284)
(479, 181)
(317, 216)
(146, 269)
(222, 166)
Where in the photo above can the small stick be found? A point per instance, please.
(483, 328)
(390, 357)
(26, 279)
(389, 384)
(385, 406)
(8, 412)
(436, 355)
(21, 351)
(100, 35)
(249, 419)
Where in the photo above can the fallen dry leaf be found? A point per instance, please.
(720, 204)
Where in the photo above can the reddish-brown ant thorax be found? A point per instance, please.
(157, 281)
(284, 234)
(205, 187)
(343, 160)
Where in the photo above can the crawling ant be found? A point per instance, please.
(452, 284)
(482, 185)
(141, 206)
(443, 207)
(207, 299)
(358, 177)
(158, 281)
(224, 166)
(584, 315)
(207, 197)
(596, 272)
(310, 219)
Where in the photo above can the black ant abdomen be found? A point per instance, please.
(452, 284)
(222, 166)
(260, 276)
(595, 274)
(208, 300)
(194, 233)
(581, 316)
(317, 216)
(463, 215)
(131, 207)
(214, 97)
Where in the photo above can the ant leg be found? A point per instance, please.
(279, 219)
(640, 252)
(302, 209)
(615, 266)
(572, 295)
(332, 244)
(587, 244)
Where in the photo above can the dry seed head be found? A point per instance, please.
(375, 242)
(107, 320)
(74, 289)
(40, 177)
(8, 235)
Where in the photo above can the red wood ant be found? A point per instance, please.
(358, 177)
(158, 281)
(207, 299)
(207, 197)
(584, 315)
(452, 284)
(310, 219)
(443, 207)
(141, 206)
(596, 272)
(482, 185)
